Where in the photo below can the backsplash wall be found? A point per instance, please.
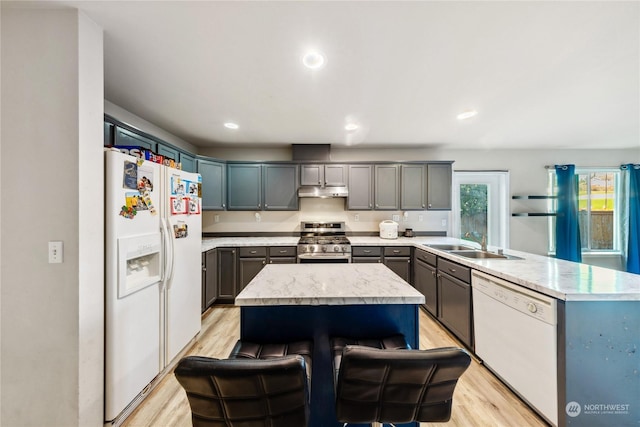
(320, 210)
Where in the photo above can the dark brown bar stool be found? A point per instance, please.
(378, 385)
(258, 385)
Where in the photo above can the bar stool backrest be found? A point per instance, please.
(246, 392)
(398, 386)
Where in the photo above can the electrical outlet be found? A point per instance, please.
(356, 217)
(258, 217)
(55, 252)
(444, 223)
(396, 218)
(420, 218)
(216, 218)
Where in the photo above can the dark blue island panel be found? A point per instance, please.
(290, 323)
(602, 363)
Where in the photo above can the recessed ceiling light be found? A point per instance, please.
(351, 127)
(230, 125)
(313, 60)
(467, 114)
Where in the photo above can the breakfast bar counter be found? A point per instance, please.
(290, 302)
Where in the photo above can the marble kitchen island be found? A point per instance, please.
(288, 302)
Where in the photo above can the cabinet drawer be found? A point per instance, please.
(253, 252)
(366, 250)
(397, 251)
(454, 269)
(427, 257)
(276, 251)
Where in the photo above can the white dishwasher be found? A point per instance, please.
(516, 337)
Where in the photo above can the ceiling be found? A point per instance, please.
(540, 74)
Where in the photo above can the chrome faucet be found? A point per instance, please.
(483, 241)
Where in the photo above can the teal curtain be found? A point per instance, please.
(568, 244)
(631, 174)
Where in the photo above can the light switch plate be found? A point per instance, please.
(55, 252)
(396, 218)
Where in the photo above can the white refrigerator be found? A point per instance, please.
(153, 276)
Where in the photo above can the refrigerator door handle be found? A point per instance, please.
(168, 266)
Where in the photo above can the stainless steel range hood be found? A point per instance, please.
(322, 192)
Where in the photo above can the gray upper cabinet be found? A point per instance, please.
(125, 137)
(335, 175)
(386, 187)
(280, 187)
(324, 175)
(413, 195)
(188, 162)
(168, 151)
(360, 188)
(214, 185)
(439, 186)
(312, 174)
(108, 133)
(244, 187)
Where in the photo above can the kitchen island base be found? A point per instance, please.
(320, 323)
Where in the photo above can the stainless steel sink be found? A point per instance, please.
(451, 247)
(482, 254)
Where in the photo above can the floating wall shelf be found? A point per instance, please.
(534, 198)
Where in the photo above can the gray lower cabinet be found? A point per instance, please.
(454, 299)
(413, 183)
(209, 278)
(250, 261)
(439, 177)
(366, 254)
(280, 187)
(244, 187)
(425, 278)
(398, 259)
(386, 187)
(360, 187)
(214, 184)
(227, 274)
(283, 255)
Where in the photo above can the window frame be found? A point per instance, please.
(552, 206)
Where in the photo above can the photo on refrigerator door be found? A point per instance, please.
(177, 186)
(145, 179)
(180, 230)
(179, 205)
(194, 206)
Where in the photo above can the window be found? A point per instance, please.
(481, 201)
(598, 203)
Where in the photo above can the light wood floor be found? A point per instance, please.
(480, 399)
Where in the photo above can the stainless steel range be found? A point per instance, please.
(323, 242)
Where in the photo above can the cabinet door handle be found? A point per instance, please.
(266, 205)
(283, 251)
(270, 261)
(369, 204)
(264, 262)
(224, 205)
(408, 261)
(377, 205)
(259, 204)
(453, 270)
(395, 251)
(204, 268)
(423, 206)
(254, 252)
(433, 273)
(429, 205)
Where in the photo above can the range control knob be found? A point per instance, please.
(336, 248)
(532, 307)
(324, 249)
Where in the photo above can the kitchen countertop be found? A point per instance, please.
(315, 284)
(564, 280)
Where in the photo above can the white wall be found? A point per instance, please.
(51, 166)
